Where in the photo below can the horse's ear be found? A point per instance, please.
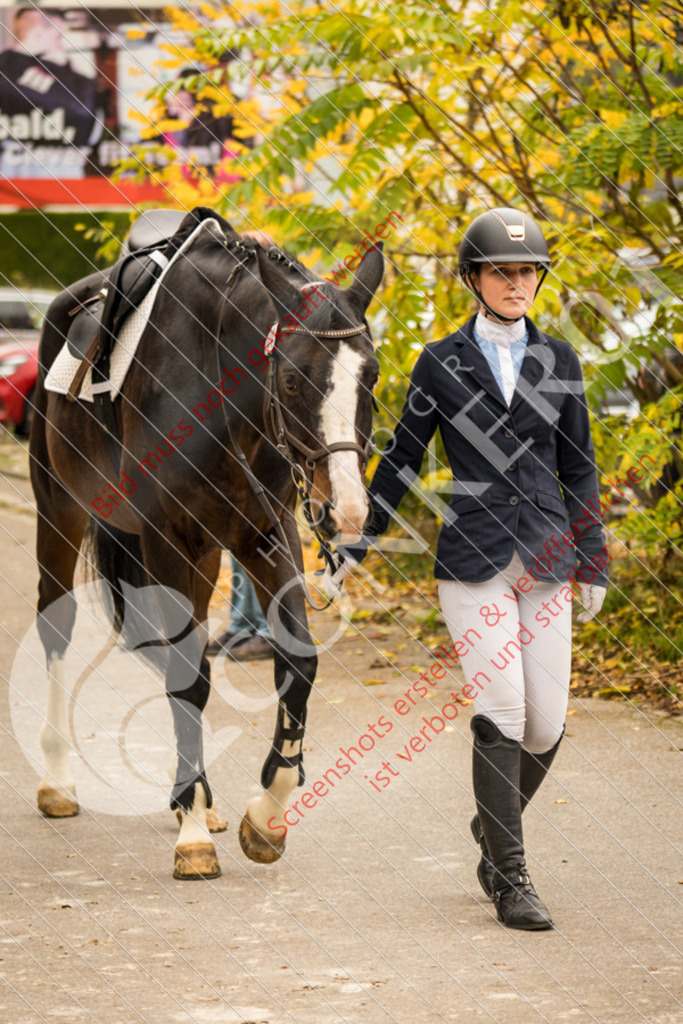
(285, 297)
(368, 277)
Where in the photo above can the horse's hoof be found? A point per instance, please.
(57, 803)
(196, 860)
(214, 822)
(256, 847)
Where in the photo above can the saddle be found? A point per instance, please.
(142, 260)
(95, 324)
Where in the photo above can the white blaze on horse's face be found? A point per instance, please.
(338, 423)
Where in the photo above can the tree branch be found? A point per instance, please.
(526, 84)
(404, 90)
(635, 63)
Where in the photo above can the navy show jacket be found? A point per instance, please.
(523, 475)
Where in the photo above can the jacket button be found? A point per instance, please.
(508, 433)
(512, 467)
(514, 500)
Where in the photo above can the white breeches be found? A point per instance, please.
(521, 658)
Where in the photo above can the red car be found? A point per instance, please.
(21, 318)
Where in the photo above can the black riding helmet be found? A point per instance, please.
(503, 235)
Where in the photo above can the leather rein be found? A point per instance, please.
(286, 442)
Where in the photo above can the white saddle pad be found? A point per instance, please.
(63, 370)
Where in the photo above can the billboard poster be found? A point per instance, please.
(73, 82)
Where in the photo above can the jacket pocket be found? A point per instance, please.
(469, 502)
(551, 502)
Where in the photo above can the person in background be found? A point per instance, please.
(248, 636)
(36, 76)
(202, 139)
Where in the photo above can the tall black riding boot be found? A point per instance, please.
(496, 764)
(533, 768)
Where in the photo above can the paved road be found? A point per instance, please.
(374, 914)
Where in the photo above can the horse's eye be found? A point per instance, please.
(290, 382)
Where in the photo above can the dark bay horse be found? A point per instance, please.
(158, 515)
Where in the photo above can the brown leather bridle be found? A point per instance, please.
(287, 443)
(282, 437)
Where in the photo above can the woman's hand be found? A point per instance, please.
(592, 597)
(333, 582)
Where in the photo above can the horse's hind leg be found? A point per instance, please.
(59, 539)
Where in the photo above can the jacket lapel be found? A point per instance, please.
(534, 364)
(473, 361)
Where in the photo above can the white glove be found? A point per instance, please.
(592, 597)
(333, 582)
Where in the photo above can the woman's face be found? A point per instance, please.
(180, 105)
(507, 288)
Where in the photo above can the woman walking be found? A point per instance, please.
(523, 527)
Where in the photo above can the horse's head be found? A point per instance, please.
(320, 379)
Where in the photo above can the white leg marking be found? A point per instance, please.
(195, 851)
(193, 828)
(273, 802)
(54, 735)
(338, 423)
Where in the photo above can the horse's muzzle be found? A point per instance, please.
(349, 520)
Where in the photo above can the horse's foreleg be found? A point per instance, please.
(264, 827)
(188, 684)
(195, 852)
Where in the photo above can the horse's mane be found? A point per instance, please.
(286, 260)
(322, 314)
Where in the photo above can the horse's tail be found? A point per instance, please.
(116, 558)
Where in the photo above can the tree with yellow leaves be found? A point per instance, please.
(435, 110)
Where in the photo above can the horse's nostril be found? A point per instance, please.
(323, 513)
(315, 511)
(322, 519)
(327, 526)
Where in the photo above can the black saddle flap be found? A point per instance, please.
(84, 326)
(133, 276)
(130, 280)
